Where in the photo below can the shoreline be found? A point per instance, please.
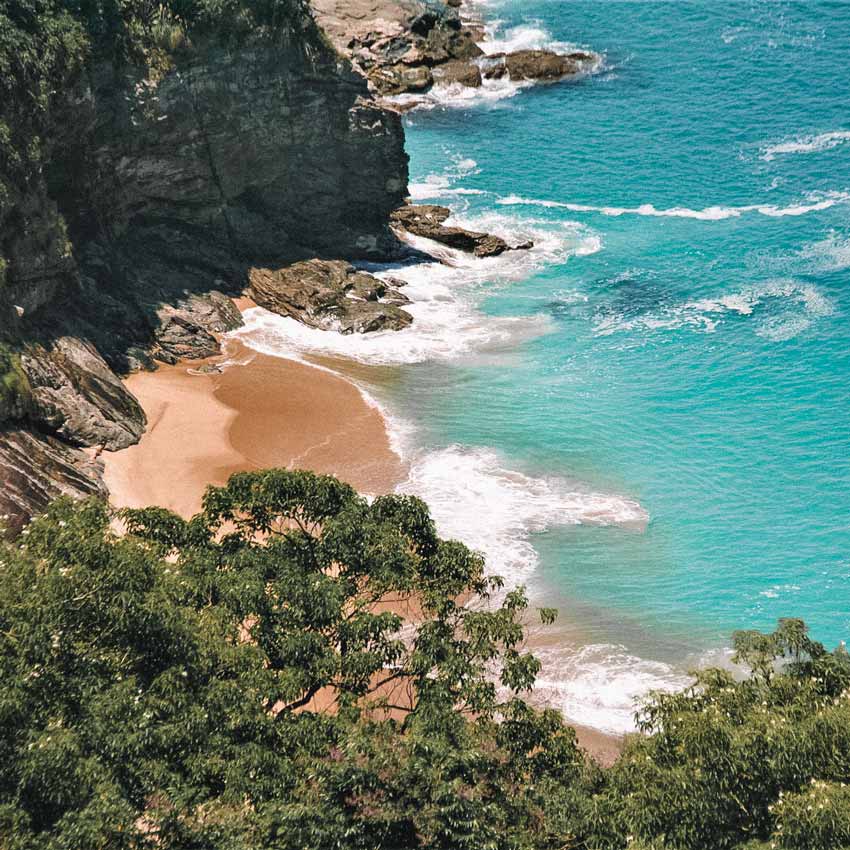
(211, 418)
(205, 425)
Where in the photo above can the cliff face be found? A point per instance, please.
(161, 185)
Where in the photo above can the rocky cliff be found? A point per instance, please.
(160, 181)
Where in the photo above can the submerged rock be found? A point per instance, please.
(329, 295)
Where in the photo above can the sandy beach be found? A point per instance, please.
(258, 412)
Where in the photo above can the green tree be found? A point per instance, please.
(161, 687)
(296, 668)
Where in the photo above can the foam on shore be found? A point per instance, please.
(445, 295)
(475, 497)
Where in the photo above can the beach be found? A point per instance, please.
(246, 411)
(258, 412)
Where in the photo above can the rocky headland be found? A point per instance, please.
(256, 156)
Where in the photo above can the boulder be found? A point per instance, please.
(367, 316)
(456, 71)
(329, 295)
(426, 220)
(544, 65)
(400, 78)
(186, 329)
(78, 397)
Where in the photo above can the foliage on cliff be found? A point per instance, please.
(46, 46)
(243, 680)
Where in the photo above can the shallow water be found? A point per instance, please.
(646, 417)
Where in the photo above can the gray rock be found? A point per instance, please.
(456, 71)
(400, 78)
(367, 317)
(330, 295)
(426, 220)
(77, 396)
(35, 469)
(186, 329)
(543, 65)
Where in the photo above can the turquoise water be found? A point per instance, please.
(699, 365)
(647, 417)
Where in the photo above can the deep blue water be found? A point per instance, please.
(675, 346)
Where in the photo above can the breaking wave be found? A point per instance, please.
(805, 144)
(601, 685)
(475, 498)
(445, 295)
(813, 202)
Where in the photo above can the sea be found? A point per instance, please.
(645, 419)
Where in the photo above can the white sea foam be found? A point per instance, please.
(455, 95)
(803, 304)
(447, 324)
(474, 497)
(443, 184)
(601, 685)
(813, 202)
(531, 36)
(831, 254)
(805, 144)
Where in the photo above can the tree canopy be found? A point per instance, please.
(298, 667)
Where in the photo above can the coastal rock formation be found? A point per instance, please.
(458, 73)
(406, 46)
(330, 295)
(35, 469)
(398, 44)
(76, 395)
(542, 65)
(160, 178)
(427, 220)
(186, 330)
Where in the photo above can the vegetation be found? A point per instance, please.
(14, 386)
(46, 47)
(245, 680)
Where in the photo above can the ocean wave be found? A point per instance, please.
(803, 304)
(457, 96)
(815, 143)
(443, 183)
(528, 36)
(475, 498)
(601, 685)
(814, 201)
(447, 323)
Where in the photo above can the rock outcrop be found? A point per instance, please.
(35, 469)
(427, 221)
(78, 397)
(540, 65)
(399, 44)
(330, 295)
(408, 46)
(186, 329)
